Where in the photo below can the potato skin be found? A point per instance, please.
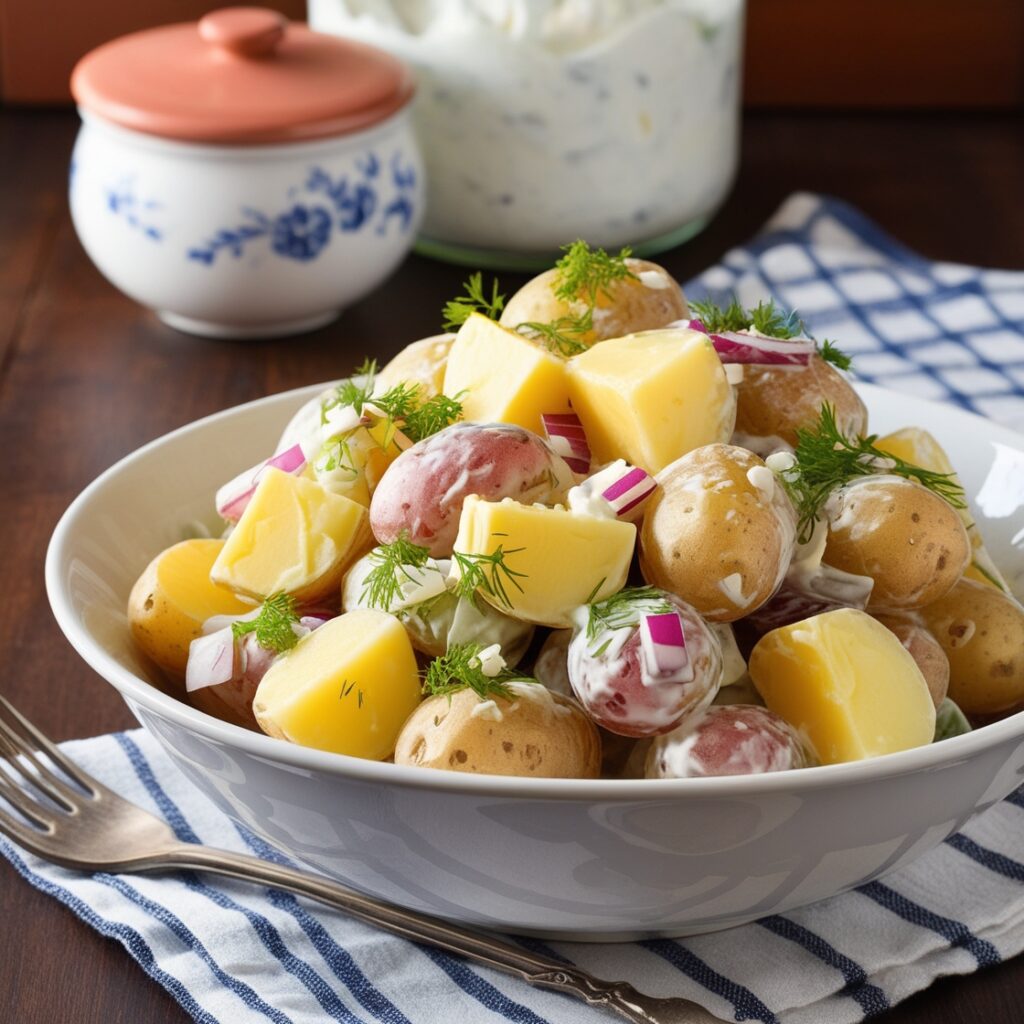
(981, 629)
(924, 649)
(708, 522)
(774, 402)
(162, 627)
(631, 305)
(420, 362)
(539, 735)
(910, 541)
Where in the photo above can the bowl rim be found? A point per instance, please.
(135, 690)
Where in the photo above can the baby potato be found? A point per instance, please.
(422, 491)
(719, 532)
(910, 541)
(773, 402)
(423, 362)
(981, 629)
(537, 734)
(650, 299)
(925, 650)
(174, 597)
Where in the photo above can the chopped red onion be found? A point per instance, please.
(664, 647)
(733, 347)
(234, 496)
(568, 439)
(751, 348)
(212, 659)
(630, 491)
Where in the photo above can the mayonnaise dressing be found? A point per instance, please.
(542, 121)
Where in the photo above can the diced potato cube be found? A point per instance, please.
(918, 447)
(847, 683)
(347, 687)
(565, 558)
(650, 398)
(294, 537)
(506, 378)
(174, 597)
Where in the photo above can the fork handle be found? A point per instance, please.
(484, 949)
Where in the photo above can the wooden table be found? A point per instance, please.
(86, 376)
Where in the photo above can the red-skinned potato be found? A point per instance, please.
(421, 493)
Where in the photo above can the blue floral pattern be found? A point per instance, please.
(137, 213)
(319, 207)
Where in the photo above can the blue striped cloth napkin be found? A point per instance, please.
(239, 954)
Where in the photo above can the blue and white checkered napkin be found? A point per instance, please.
(239, 954)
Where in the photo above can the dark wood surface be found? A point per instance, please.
(86, 377)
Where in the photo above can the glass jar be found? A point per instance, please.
(543, 121)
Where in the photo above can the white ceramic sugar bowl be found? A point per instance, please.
(244, 176)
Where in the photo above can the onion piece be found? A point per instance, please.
(663, 643)
(234, 496)
(212, 659)
(566, 435)
(734, 347)
(630, 491)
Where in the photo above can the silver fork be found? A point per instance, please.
(88, 827)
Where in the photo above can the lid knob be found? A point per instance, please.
(244, 31)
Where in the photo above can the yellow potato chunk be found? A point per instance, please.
(845, 682)
(650, 398)
(174, 597)
(565, 559)
(347, 687)
(506, 378)
(918, 447)
(293, 536)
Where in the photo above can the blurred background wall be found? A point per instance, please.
(854, 54)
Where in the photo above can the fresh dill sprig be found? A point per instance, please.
(473, 300)
(355, 391)
(586, 273)
(624, 610)
(827, 459)
(347, 688)
(459, 668)
(398, 402)
(488, 573)
(831, 354)
(273, 625)
(717, 320)
(383, 584)
(562, 335)
(768, 320)
(433, 415)
(774, 322)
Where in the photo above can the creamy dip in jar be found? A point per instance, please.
(542, 121)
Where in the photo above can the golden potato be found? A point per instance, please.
(910, 541)
(981, 630)
(774, 401)
(649, 300)
(422, 362)
(538, 734)
(924, 649)
(174, 597)
(719, 532)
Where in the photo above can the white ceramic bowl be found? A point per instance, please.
(588, 859)
(246, 241)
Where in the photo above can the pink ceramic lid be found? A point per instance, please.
(241, 75)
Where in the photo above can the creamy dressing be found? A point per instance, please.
(547, 120)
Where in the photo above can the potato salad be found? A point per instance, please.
(593, 531)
